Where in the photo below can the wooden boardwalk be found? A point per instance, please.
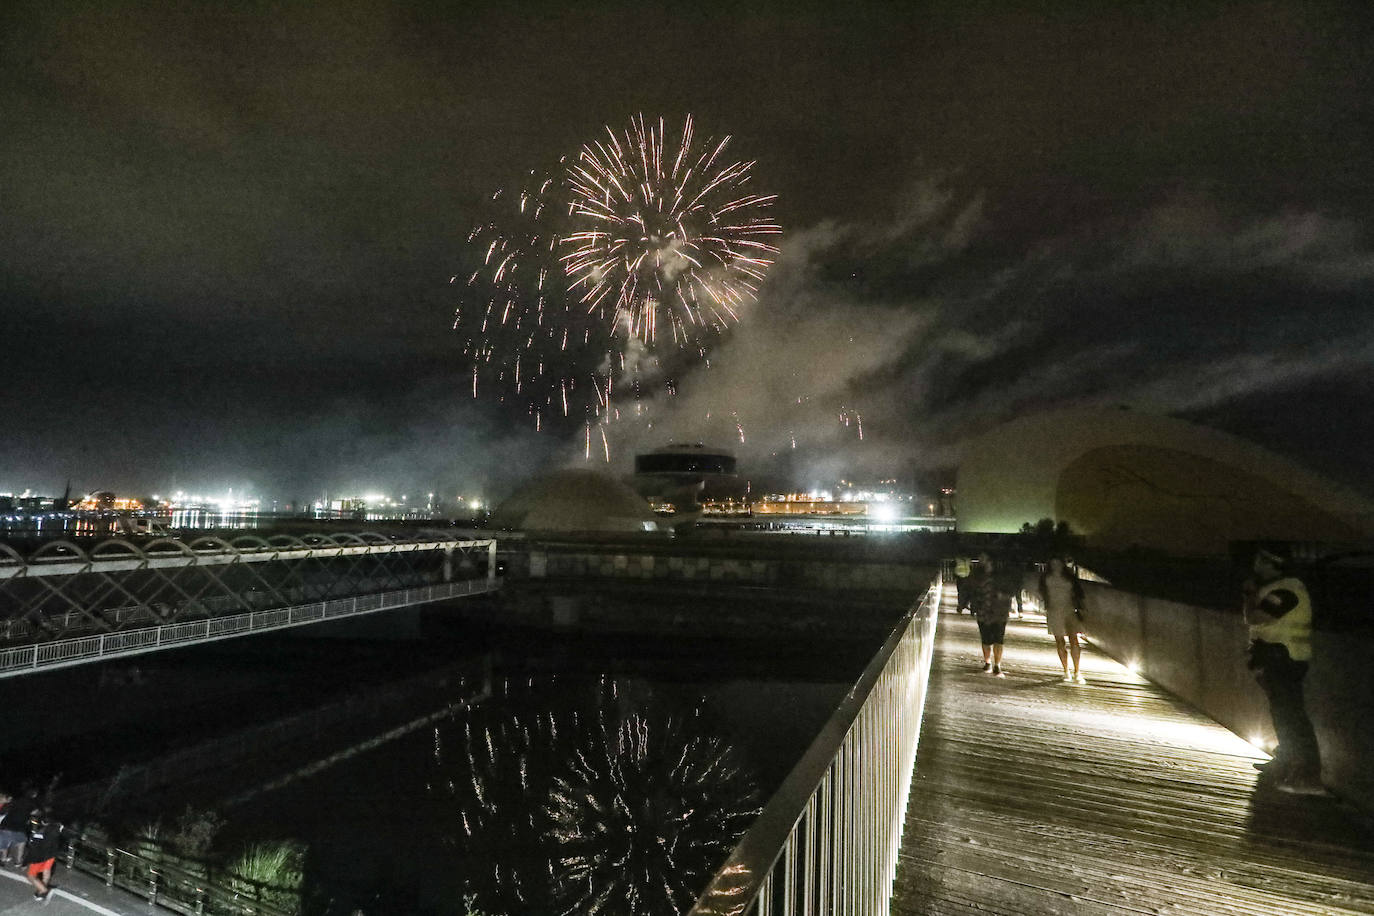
(1031, 796)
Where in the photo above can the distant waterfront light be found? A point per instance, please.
(883, 512)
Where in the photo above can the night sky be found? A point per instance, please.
(227, 232)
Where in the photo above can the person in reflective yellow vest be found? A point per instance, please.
(963, 567)
(1278, 610)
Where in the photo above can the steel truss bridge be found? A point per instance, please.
(64, 604)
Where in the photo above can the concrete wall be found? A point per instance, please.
(811, 594)
(791, 573)
(1199, 655)
(717, 611)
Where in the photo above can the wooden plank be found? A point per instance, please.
(1033, 796)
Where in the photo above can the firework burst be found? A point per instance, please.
(673, 238)
(626, 264)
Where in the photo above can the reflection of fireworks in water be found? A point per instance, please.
(626, 264)
(595, 803)
(642, 816)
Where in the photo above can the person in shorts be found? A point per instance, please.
(991, 606)
(14, 826)
(45, 839)
(1061, 595)
(11, 841)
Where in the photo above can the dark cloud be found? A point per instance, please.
(1180, 311)
(226, 231)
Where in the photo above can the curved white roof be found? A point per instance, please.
(1096, 467)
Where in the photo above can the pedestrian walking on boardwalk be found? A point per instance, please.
(992, 607)
(45, 838)
(1279, 613)
(1061, 595)
(1008, 573)
(963, 569)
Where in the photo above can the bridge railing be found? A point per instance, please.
(60, 653)
(63, 590)
(827, 841)
(176, 887)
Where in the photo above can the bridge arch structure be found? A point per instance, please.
(65, 604)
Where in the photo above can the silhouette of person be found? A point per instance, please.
(963, 568)
(992, 607)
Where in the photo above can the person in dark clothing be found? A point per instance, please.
(963, 569)
(1008, 574)
(992, 607)
(1279, 613)
(9, 839)
(45, 840)
(14, 827)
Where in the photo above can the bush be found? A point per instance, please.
(271, 872)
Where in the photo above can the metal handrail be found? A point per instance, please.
(169, 886)
(60, 653)
(827, 840)
(169, 553)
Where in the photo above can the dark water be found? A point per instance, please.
(182, 523)
(587, 768)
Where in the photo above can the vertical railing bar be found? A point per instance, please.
(856, 859)
(872, 779)
(877, 775)
(836, 837)
(809, 859)
(847, 834)
(868, 784)
(789, 877)
(859, 838)
(856, 820)
(886, 801)
(823, 847)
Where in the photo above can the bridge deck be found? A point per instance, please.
(1031, 796)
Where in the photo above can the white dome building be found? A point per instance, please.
(575, 500)
(1123, 478)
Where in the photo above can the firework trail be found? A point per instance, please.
(849, 416)
(529, 343)
(625, 264)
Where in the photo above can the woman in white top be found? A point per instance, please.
(1061, 596)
